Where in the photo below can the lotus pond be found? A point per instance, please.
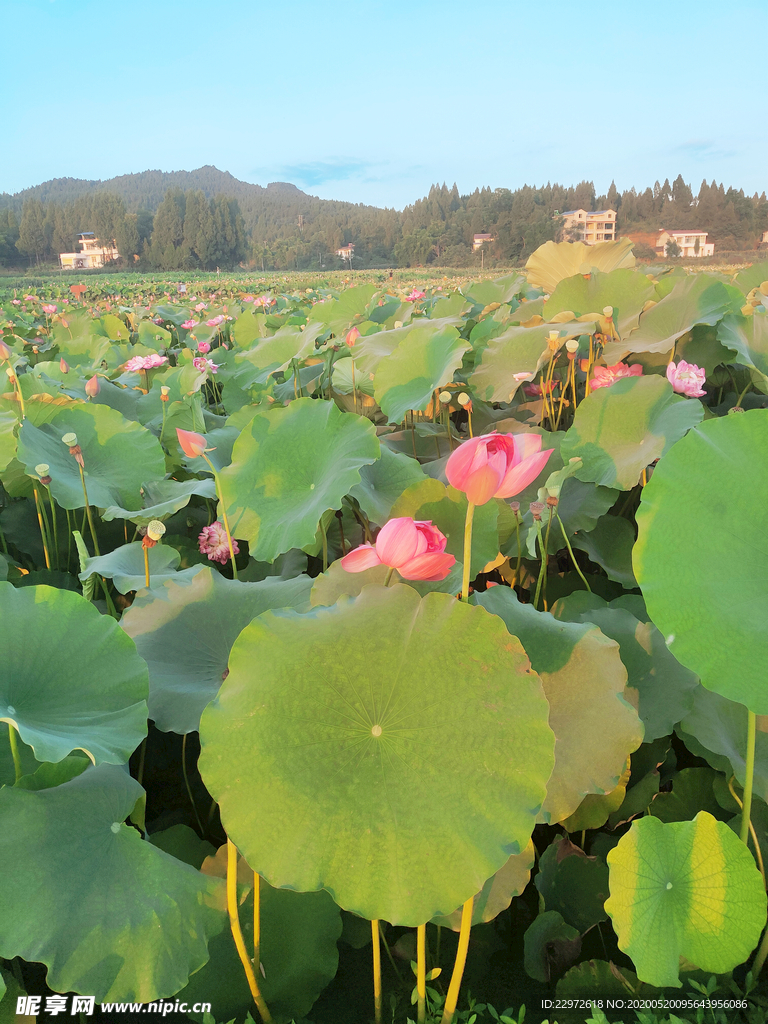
(385, 654)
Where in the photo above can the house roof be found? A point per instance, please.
(483, 235)
(682, 231)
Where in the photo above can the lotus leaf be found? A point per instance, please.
(554, 261)
(125, 566)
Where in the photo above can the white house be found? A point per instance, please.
(346, 252)
(692, 243)
(478, 241)
(589, 227)
(92, 253)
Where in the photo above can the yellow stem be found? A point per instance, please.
(146, 570)
(376, 970)
(237, 934)
(354, 391)
(42, 528)
(464, 595)
(421, 971)
(13, 739)
(88, 512)
(461, 958)
(256, 921)
(758, 851)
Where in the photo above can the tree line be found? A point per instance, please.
(280, 227)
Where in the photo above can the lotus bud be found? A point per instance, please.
(92, 386)
(537, 507)
(63, 365)
(5, 352)
(607, 312)
(352, 337)
(192, 444)
(445, 397)
(164, 392)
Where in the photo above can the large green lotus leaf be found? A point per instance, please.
(595, 979)
(609, 544)
(71, 678)
(553, 261)
(26, 755)
(424, 361)
(619, 430)
(583, 679)
(9, 420)
(129, 921)
(498, 891)
(185, 629)
(626, 290)
(340, 312)
(373, 349)
(446, 507)
(398, 788)
(698, 299)
(119, 456)
(382, 483)
(687, 888)
(573, 884)
(516, 355)
(272, 354)
(288, 467)
(692, 791)
(716, 729)
(498, 289)
(125, 566)
(550, 945)
(748, 335)
(751, 277)
(697, 516)
(162, 498)
(663, 688)
(336, 582)
(183, 843)
(298, 951)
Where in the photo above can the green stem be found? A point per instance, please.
(43, 532)
(162, 427)
(542, 571)
(89, 513)
(223, 515)
(69, 538)
(762, 953)
(570, 552)
(55, 527)
(15, 750)
(388, 577)
(750, 772)
(325, 544)
(186, 782)
(464, 595)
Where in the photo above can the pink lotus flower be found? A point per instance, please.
(496, 465)
(15, 302)
(137, 363)
(204, 347)
(687, 378)
(537, 390)
(200, 306)
(5, 352)
(63, 365)
(205, 365)
(213, 543)
(415, 295)
(192, 444)
(215, 321)
(50, 309)
(263, 300)
(189, 324)
(92, 386)
(30, 298)
(415, 549)
(352, 337)
(604, 376)
(247, 298)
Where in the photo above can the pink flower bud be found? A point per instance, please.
(5, 352)
(92, 386)
(63, 365)
(415, 549)
(192, 444)
(203, 347)
(352, 337)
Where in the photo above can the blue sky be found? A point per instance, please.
(372, 101)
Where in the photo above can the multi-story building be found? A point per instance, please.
(583, 226)
(346, 252)
(93, 253)
(478, 241)
(691, 243)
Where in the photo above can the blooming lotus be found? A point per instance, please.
(687, 378)
(496, 465)
(415, 549)
(192, 444)
(50, 309)
(16, 302)
(205, 365)
(213, 543)
(189, 324)
(216, 320)
(200, 306)
(138, 363)
(415, 295)
(604, 376)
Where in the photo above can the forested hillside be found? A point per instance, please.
(208, 218)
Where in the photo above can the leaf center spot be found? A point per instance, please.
(115, 827)
(311, 487)
(669, 885)
(11, 709)
(376, 731)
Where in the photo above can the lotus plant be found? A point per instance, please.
(194, 447)
(416, 549)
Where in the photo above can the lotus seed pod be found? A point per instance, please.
(70, 439)
(463, 398)
(42, 469)
(515, 506)
(10, 374)
(554, 335)
(572, 346)
(608, 311)
(736, 408)
(537, 507)
(155, 529)
(445, 397)
(398, 323)
(552, 501)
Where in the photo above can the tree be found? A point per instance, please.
(32, 240)
(672, 248)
